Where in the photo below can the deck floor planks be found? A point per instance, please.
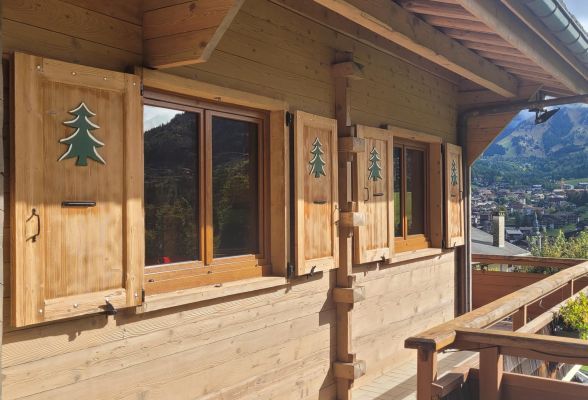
(399, 382)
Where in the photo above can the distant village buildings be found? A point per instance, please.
(531, 211)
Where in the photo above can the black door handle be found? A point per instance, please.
(78, 204)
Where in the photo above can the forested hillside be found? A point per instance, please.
(525, 153)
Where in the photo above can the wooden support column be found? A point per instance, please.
(4, 176)
(491, 369)
(426, 373)
(347, 368)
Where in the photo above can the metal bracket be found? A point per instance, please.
(109, 308)
(289, 270)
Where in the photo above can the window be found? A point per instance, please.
(410, 196)
(204, 193)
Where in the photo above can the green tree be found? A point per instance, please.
(562, 247)
(317, 164)
(375, 168)
(82, 144)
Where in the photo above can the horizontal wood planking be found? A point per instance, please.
(128, 10)
(400, 300)
(75, 21)
(34, 40)
(271, 52)
(114, 349)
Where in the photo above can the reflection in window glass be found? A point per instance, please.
(398, 231)
(415, 191)
(171, 182)
(234, 187)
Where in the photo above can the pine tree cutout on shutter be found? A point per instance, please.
(317, 164)
(375, 167)
(82, 144)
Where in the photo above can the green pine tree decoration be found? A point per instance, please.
(375, 168)
(82, 144)
(317, 164)
(453, 173)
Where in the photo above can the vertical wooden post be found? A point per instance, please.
(3, 149)
(340, 73)
(426, 373)
(519, 319)
(491, 368)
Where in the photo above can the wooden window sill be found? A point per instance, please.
(415, 254)
(194, 295)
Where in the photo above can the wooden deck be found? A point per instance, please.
(399, 383)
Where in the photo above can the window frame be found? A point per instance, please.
(422, 240)
(208, 270)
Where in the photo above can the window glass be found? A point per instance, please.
(398, 218)
(171, 182)
(415, 191)
(235, 197)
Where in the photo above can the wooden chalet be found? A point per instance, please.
(264, 199)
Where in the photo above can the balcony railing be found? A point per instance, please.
(529, 309)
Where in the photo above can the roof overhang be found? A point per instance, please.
(493, 47)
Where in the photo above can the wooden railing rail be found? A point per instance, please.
(545, 319)
(528, 345)
(442, 336)
(527, 261)
(466, 332)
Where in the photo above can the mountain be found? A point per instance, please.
(525, 153)
(565, 133)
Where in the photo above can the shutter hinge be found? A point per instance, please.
(142, 295)
(142, 88)
(289, 118)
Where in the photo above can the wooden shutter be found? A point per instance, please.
(315, 193)
(374, 241)
(454, 205)
(77, 231)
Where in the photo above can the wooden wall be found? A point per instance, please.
(269, 344)
(488, 286)
(401, 300)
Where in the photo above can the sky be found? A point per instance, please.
(580, 9)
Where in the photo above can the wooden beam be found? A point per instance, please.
(501, 20)
(349, 69)
(426, 373)
(349, 295)
(491, 368)
(351, 219)
(351, 144)
(523, 387)
(4, 138)
(556, 348)
(346, 366)
(546, 318)
(392, 22)
(527, 260)
(186, 33)
(454, 23)
(349, 371)
(488, 38)
(484, 97)
(437, 9)
(340, 24)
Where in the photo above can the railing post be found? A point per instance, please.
(426, 373)
(491, 368)
(519, 318)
